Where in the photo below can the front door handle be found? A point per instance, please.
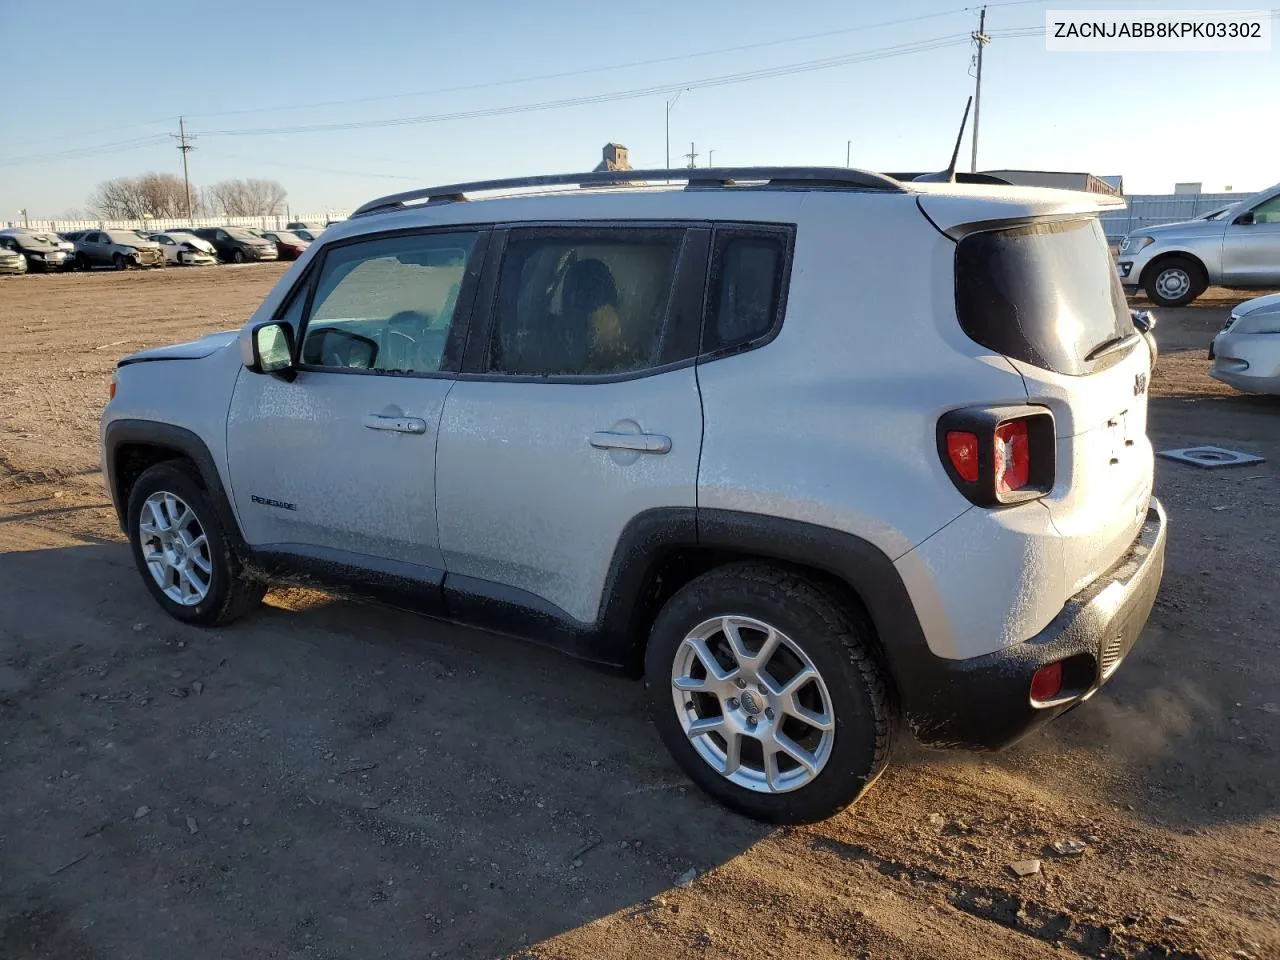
(641, 442)
(395, 424)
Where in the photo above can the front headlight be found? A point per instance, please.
(1132, 245)
(1260, 321)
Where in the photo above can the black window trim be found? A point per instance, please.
(724, 233)
(459, 324)
(688, 293)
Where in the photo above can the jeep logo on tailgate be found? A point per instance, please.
(1139, 384)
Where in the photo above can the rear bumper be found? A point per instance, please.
(984, 703)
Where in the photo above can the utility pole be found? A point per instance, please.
(184, 145)
(848, 151)
(670, 103)
(980, 39)
(692, 155)
(711, 158)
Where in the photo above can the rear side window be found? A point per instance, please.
(746, 288)
(583, 302)
(1045, 294)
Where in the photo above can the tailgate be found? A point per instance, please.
(1043, 294)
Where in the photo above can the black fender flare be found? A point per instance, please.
(857, 563)
(120, 434)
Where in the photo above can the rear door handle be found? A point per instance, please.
(395, 424)
(641, 442)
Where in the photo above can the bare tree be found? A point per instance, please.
(247, 198)
(132, 198)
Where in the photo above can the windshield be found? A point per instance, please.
(286, 237)
(126, 237)
(240, 233)
(1045, 294)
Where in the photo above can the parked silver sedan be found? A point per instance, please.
(1235, 246)
(1246, 353)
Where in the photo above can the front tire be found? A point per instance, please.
(118, 261)
(182, 550)
(237, 256)
(764, 688)
(1174, 281)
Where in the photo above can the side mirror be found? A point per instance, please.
(273, 350)
(1244, 219)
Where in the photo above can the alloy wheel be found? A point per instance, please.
(175, 548)
(752, 703)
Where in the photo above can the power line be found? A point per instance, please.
(610, 68)
(805, 66)
(615, 67)
(93, 151)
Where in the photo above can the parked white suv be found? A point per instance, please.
(814, 449)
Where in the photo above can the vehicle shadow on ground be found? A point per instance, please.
(315, 780)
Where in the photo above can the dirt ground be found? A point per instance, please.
(326, 780)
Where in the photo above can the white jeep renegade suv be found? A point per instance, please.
(814, 449)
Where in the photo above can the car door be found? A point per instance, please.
(338, 464)
(91, 246)
(1251, 249)
(578, 411)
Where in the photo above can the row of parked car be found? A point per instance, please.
(24, 249)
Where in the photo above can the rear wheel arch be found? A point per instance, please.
(661, 551)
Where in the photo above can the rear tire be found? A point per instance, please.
(841, 718)
(215, 589)
(1174, 281)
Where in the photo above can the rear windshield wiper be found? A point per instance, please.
(1111, 346)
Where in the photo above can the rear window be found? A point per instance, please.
(1045, 294)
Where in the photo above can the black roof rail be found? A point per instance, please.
(956, 177)
(803, 178)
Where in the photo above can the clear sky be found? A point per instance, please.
(90, 90)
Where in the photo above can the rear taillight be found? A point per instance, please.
(1013, 456)
(998, 455)
(112, 391)
(962, 451)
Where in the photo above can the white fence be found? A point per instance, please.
(1145, 210)
(156, 225)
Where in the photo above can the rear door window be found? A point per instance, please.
(1046, 294)
(583, 301)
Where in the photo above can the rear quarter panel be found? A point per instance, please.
(834, 422)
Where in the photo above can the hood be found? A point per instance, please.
(193, 350)
(39, 241)
(1271, 302)
(1183, 228)
(198, 242)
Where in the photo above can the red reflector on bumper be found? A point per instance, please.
(1047, 682)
